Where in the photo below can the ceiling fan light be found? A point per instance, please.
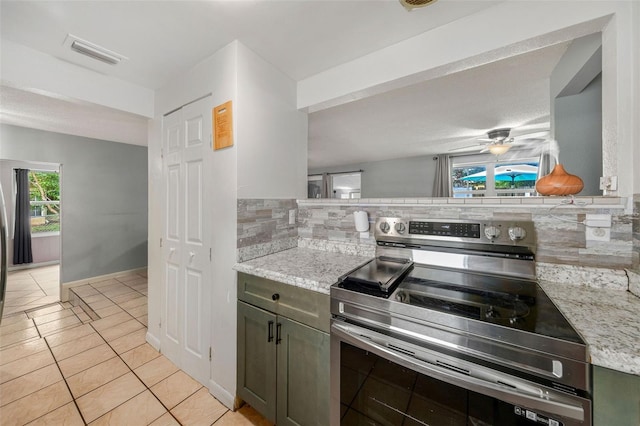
(498, 149)
(414, 4)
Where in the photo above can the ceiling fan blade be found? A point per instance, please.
(485, 149)
(528, 141)
(533, 135)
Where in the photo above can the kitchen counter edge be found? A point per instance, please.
(606, 319)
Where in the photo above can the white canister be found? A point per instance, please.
(361, 219)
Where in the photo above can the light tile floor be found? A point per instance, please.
(31, 288)
(90, 364)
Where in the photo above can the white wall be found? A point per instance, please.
(272, 160)
(524, 26)
(267, 160)
(636, 96)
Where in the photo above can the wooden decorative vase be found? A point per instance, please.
(559, 182)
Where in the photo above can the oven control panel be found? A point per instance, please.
(501, 232)
(448, 229)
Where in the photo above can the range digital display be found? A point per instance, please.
(446, 229)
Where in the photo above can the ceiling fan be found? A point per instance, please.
(499, 141)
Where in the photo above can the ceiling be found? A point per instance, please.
(438, 115)
(301, 38)
(163, 39)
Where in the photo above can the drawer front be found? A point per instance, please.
(306, 306)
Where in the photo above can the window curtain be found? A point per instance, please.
(442, 182)
(326, 185)
(22, 235)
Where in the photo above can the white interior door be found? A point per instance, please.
(185, 325)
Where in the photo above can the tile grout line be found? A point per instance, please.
(64, 379)
(143, 383)
(90, 323)
(125, 363)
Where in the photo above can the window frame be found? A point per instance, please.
(490, 164)
(33, 203)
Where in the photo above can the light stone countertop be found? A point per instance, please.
(608, 320)
(307, 268)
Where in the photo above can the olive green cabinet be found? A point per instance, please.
(616, 398)
(283, 362)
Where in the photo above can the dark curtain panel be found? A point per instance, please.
(326, 186)
(22, 235)
(442, 182)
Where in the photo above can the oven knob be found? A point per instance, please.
(491, 232)
(400, 228)
(384, 227)
(517, 233)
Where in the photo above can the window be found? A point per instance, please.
(345, 185)
(469, 180)
(487, 178)
(342, 185)
(44, 195)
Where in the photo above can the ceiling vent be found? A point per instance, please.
(414, 4)
(93, 50)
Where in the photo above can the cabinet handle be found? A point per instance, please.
(270, 336)
(278, 333)
(275, 296)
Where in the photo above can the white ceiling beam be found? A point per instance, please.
(30, 70)
(507, 29)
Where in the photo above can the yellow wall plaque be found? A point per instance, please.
(223, 126)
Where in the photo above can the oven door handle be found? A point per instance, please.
(513, 390)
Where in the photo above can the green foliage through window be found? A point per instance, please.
(44, 193)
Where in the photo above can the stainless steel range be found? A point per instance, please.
(447, 326)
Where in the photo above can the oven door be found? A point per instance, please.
(379, 380)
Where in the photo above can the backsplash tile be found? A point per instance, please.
(263, 227)
(563, 253)
(561, 240)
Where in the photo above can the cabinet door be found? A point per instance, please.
(616, 398)
(257, 359)
(303, 375)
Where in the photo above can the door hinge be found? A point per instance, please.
(160, 241)
(161, 153)
(210, 254)
(209, 353)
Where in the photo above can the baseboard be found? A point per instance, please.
(222, 395)
(20, 267)
(64, 288)
(153, 341)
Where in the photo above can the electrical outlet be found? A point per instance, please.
(608, 183)
(292, 217)
(598, 234)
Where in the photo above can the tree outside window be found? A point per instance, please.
(44, 195)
